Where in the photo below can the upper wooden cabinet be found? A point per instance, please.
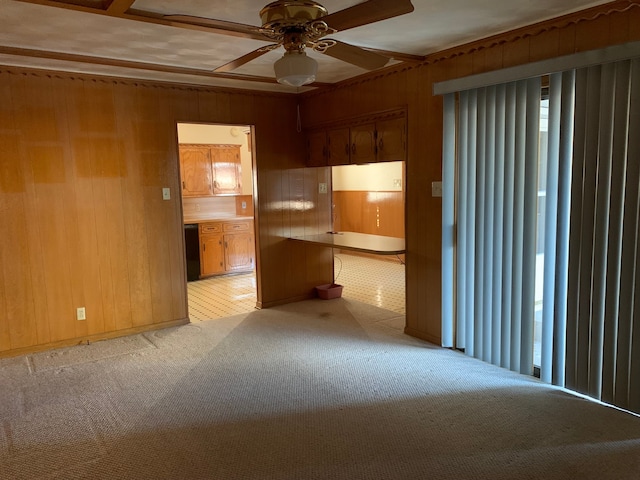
(210, 170)
(227, 171)
(317, 149)
(338, 146)
(380, 138)
(363, 143)
(195, 169)
(391, 136)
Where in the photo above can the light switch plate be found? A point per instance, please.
(166, 193)
(322, 188)
(436, 189)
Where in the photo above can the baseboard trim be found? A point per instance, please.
(423, 336)
(276, 303)
(91, 338)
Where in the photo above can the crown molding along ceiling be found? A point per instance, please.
(228, 43)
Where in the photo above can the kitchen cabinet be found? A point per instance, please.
(208, 170)
(227, 171)
(317, 149)
(366, 140)
(391, 137)
(363, 143)
(195, 170)
(226, 247)
(338, 146)
(211, 249)
(328, 147)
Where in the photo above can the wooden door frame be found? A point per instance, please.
(254, 197)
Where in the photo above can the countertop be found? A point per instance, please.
(215, 218)
(360, 242)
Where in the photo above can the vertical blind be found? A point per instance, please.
(494, 152)
(603, 310)
(590, 237)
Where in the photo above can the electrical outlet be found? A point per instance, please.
(397, 182)
(244, 205)
(81, 314)
(322, 188)
(166, 193)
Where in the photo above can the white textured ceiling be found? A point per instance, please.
(434, 25)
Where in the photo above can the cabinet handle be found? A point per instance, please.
(380, 144)
(184, 187)
(353, 148)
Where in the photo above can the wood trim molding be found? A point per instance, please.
(117, 7)
(91, 60)
(536, 29)
(400, 112)
(260, 305)
(116, 80)
(92, 338)
(533, 30)
(422, 336)
(152, 67)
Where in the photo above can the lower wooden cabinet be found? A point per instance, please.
(226, 247)
(238, 252)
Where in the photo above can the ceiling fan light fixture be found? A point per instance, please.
(295, 68)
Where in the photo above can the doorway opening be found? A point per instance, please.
(217, 186)
(370, 198)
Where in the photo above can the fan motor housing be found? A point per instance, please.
(286, 14)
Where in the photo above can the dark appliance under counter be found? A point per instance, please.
(192, 249)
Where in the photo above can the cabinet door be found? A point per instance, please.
(363, 143)
(227, 169)
(317, 149)
(239, 251)
(211, 254)
(195, 169)
(338, 148)
(392, 140)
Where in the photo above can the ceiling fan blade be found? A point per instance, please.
(356, 56)
(238, 62)
(367, 12)
(223, 27)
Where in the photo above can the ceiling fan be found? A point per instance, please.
(300, 24)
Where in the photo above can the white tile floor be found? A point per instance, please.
(372, 281)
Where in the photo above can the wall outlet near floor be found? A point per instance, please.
(81, 314)
(244, 205)
(322, 188)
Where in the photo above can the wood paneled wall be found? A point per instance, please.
(378, 213)
(83, 161)
(612, 23)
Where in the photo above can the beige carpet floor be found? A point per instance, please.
(312, 390)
